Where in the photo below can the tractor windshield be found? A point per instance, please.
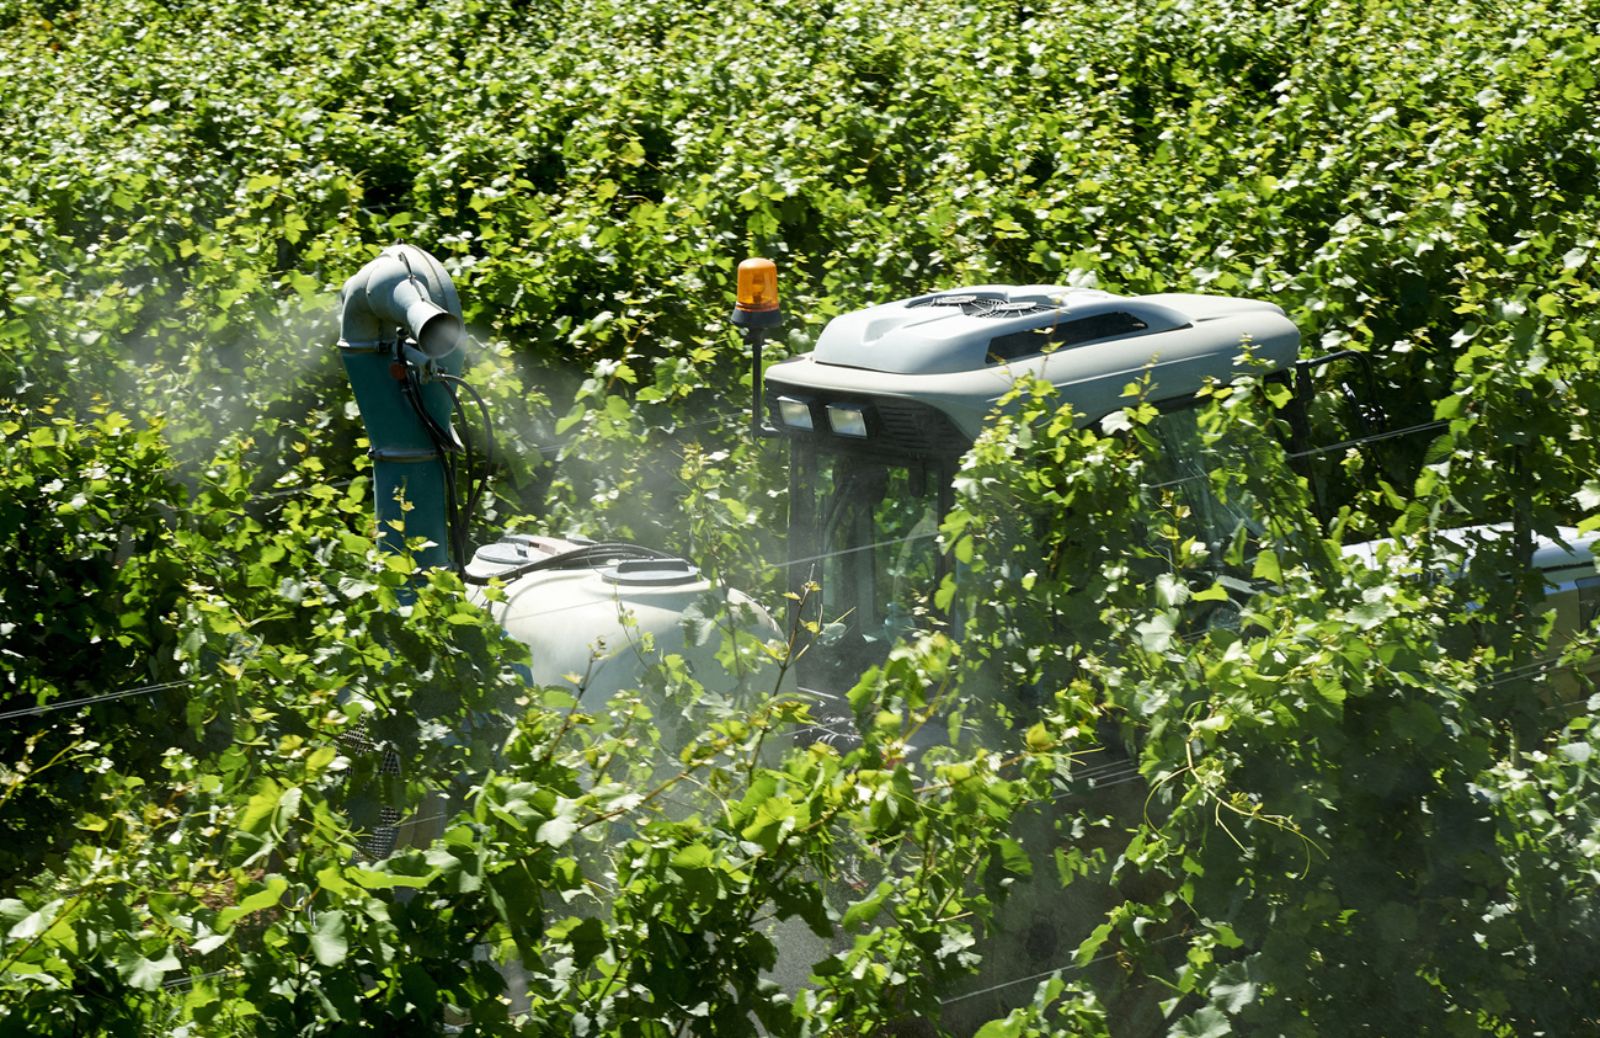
(864, 531)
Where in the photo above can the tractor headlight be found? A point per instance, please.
(796, 414)
(848, 420)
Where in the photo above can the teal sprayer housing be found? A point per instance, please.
(401, 311)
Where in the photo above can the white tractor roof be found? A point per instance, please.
(959, 351)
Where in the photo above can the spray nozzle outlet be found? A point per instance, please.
(403, 288)
(437, 331)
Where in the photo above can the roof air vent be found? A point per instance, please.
(1020, 308)
(972, 304)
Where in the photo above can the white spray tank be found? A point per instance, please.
(597, 617)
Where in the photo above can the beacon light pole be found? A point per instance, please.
(755, 313)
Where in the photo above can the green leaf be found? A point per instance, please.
(1267, 568)
(1155, 634)
(145, 974)
(261, 807)
(373, 879)
(266, 897)
(330, 878)
(694, 856)
(328, 941)
(1009, 1027)
(1015, 857)
(35, 923)
(572, 418)
(1448, 407)
(588, 940)
(1091, 945)
(865, 910)
(1233, 988)
(1204, 1023)
(557, 831)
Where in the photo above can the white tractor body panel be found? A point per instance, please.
(961, 351)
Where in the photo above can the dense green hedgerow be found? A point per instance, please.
(183, 188)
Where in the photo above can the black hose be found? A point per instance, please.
(445, 443)
(460, 526)
(476, 495)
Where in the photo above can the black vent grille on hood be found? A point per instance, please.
(969, 303)
(983, 304)
(1020, 308)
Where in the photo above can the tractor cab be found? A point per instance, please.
(878, 416)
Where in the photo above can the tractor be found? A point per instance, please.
(875, 421)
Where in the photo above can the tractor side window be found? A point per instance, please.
(1588, 602)
(880, 561)
(1186, 466)
(883, 557)
(906, 557)
(1035, 341)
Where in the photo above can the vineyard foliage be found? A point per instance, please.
(1366, 793)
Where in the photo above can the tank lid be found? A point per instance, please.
(517, 549)
(650, 573)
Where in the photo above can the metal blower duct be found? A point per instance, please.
(403, 294)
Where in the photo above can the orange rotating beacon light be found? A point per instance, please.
(755, 312)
